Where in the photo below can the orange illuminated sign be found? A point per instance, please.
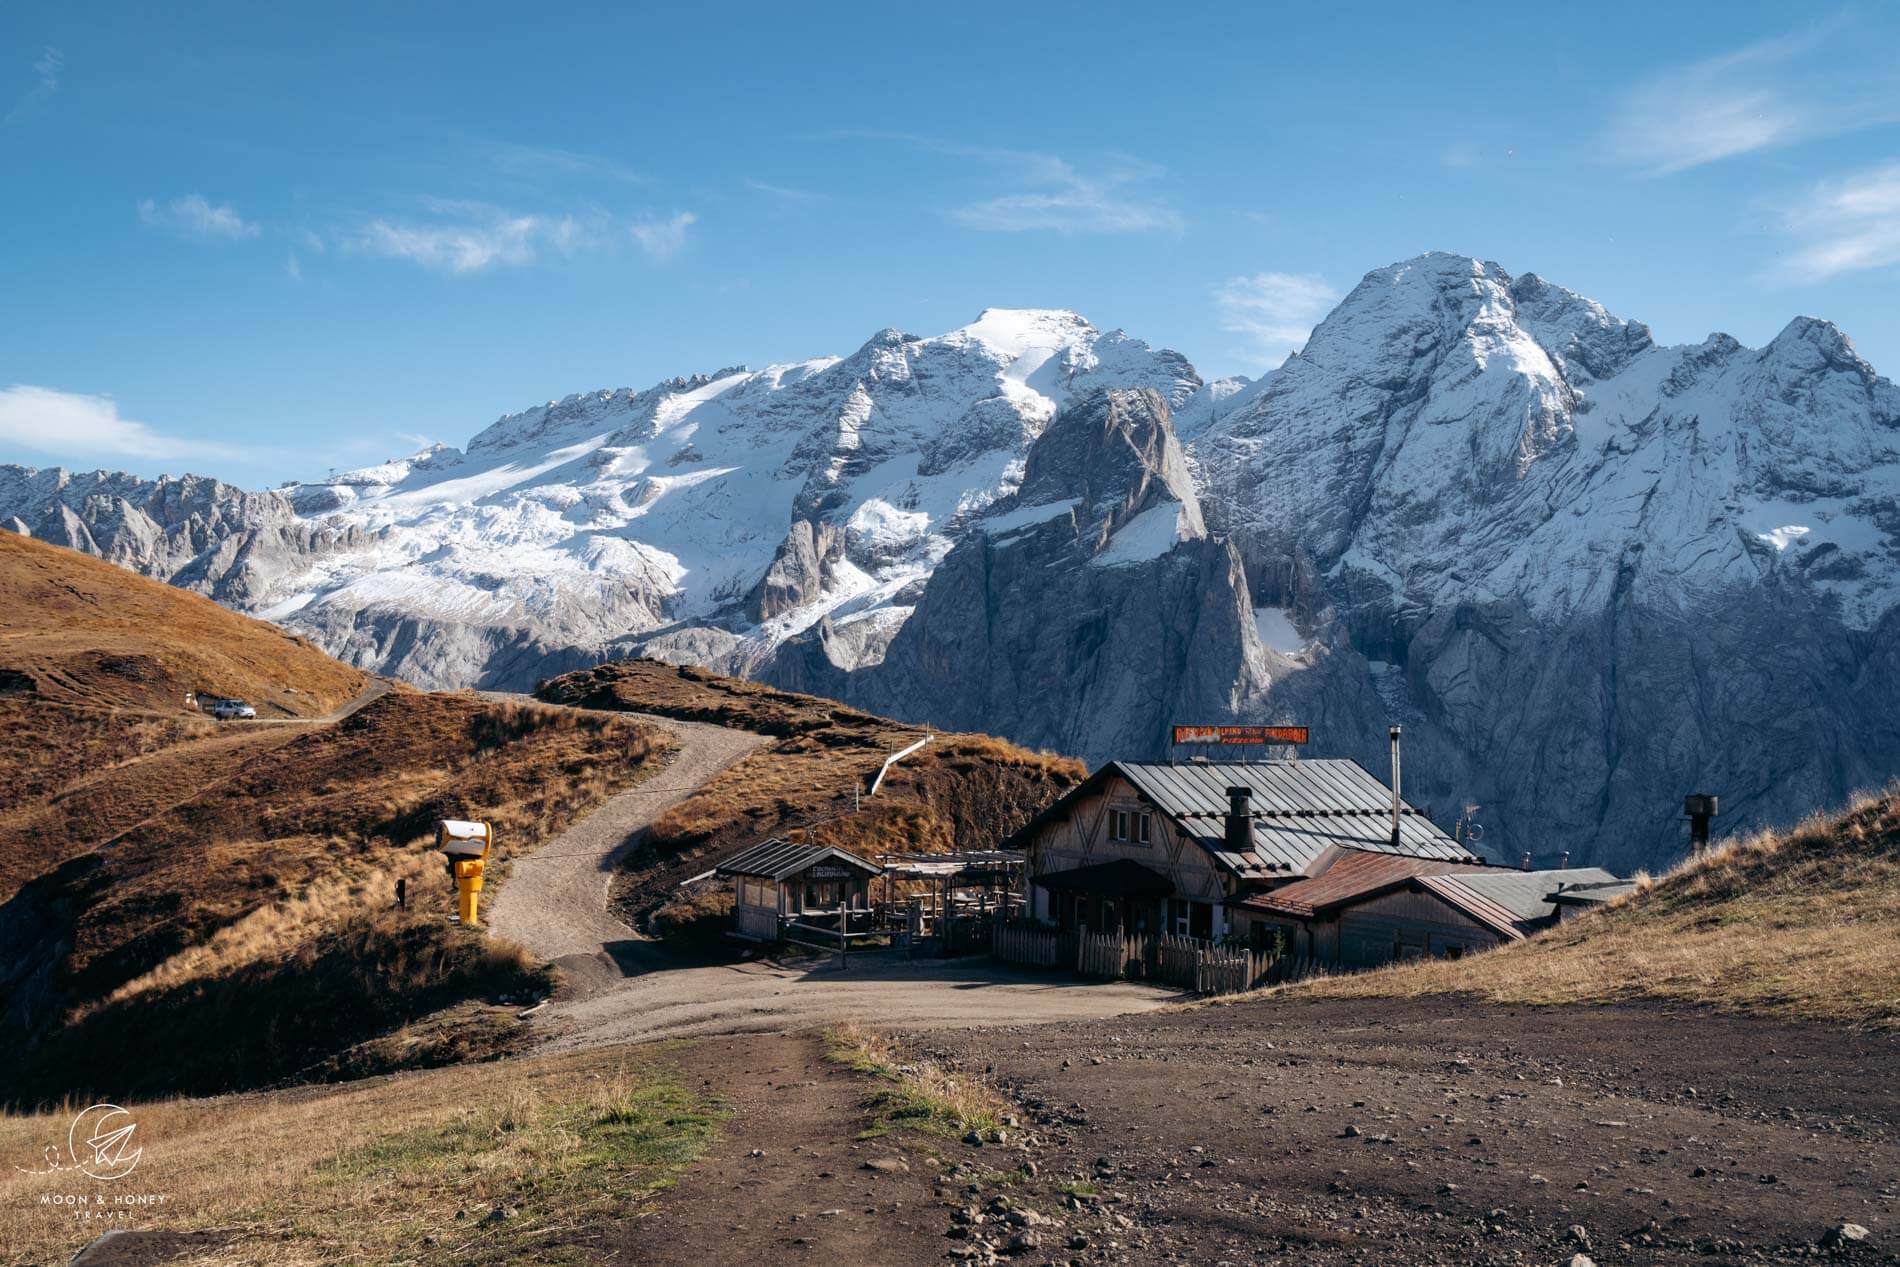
(1240, 734)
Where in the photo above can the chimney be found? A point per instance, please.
(1525, 865)
(1239, 819)
(1395, 785)
(1563, 863)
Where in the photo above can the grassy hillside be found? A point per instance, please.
(95, 663)
(958, 792)
(187, 905)
(261, 908)
(78, 631)
(1804, 923)
(377, 1172)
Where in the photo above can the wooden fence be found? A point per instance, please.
(1188, 962)
(1026, 943)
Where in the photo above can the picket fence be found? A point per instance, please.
(1188, 962)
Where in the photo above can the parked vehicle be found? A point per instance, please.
(230, 710)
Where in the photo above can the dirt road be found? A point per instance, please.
(1445, 1130)
(669, 1000)
(623, 987)
(554, 901)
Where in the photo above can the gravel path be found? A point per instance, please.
(622, 987)
(555, 899)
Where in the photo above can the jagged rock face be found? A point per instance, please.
(1586, 573)
(1084, 614)
(1602, 573)
(198, 533)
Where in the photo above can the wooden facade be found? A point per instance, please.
(776, 884)
(1106, 825)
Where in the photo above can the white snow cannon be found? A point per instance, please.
(461, 839)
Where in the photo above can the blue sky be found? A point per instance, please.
(261, 241)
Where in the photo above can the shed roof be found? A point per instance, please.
(1592, 894)
(776, 859)
(1512, 902)
(1527, 894)
(1120, 877)
(1356, 874)
(931, 865)
(1300, 810)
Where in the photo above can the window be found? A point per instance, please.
(1131, 827)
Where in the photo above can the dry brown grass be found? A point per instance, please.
(1800, 924)
(912, 1091)
(84, 632)
(266, 890)
(364, 1173)
(959, 792)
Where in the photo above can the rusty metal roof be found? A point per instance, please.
(1355, 875)
(1299, 811)
(777, 859)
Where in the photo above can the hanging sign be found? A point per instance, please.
(1241, 734)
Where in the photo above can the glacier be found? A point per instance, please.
(1587, 572)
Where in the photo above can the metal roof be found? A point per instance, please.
(1356, 875)
(1299, 810)
(777, 859)
(1452, 889)
(1592, 894)
(951, 864)
(1526, 894)
(1119, 877)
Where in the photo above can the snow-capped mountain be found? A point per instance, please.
(1587, 573)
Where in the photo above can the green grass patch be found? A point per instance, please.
(552, 1162)
(911, 1094)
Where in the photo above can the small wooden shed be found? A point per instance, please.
(779, 881)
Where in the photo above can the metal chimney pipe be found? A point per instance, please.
(1564, 863)
(1395, 784)
(1525, 863)
(1239, 836)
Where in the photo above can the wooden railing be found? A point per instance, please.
(1188, 962)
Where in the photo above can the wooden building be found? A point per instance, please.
(778, 882)
(1368, 909)
(1157, 848)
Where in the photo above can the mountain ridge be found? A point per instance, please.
(1468, 488)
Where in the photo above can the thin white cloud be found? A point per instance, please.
(1845, 226)
(292, 269)
(785, 193)
(1769, 94)
(416, 441)
(663, 239)
(1053, 194)
(1276, 311)
(194, 216)
(1061, 198)
(88, 428)
(470, 237)
(542, 161)
(48, 68)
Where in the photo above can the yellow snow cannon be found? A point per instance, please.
(465, 844)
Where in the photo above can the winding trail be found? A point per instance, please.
(622, 987)
(554, 901)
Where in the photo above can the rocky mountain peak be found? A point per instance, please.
(1114, 452)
